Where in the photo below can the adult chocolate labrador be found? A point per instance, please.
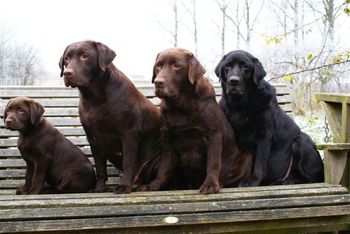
(282, 153)
(200, 148)
(121, 124)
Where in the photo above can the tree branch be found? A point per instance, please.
(310, 69)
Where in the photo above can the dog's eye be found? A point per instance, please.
(84, 56)
(158, 67)
(176, 65)
(245, 67)
(66, 58)
(20, 110)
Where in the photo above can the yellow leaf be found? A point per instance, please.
(278, 40)
(309, 56)
(288, 78)
(315, 100)
(336, 59)
(269, 41)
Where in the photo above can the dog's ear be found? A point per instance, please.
(36, 111)
(105, 55)
(154, 74)
(61, 62)
(259, 71)
(219, 69)
(195, 69)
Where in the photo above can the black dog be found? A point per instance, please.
(282, 153)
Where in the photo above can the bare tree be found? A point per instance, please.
(176, 23)
(295, 8)
(244, 33)
(172, 29)
(223, 8)
(18, 62)
(329, 12)
(192, 12)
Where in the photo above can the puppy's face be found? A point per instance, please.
(21, 113)
(174, 70)
(237, 70)
(83, 61)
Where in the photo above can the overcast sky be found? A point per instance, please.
(125, 26)
(134, 29)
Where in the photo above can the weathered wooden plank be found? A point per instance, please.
(337, 109)
(18, 163)
(172, 197)
(58, 121)
(79, 141)
(333, 146)
(14, 173)
(97, 210)
(183, 219)
(337, 166)
(333, 97)
(67, 131)
(50, 102)
(12, 153)
(337, 189)
(59, 91)
(59, 112)
(14, 183)
(7, 192)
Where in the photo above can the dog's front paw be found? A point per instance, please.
(21, 190)
(122, 189)
(209, 188)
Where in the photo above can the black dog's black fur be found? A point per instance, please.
(282, 153)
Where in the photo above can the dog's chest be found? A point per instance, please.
(100, 126)
(245, 127)
(178, 119)
(186, 136)
(28, 150)
(240, 119)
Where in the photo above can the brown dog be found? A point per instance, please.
(49, 156)
(197, 136)
(121, 124)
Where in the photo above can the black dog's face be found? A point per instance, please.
(82, 61)
(237, 70)
(21, 113)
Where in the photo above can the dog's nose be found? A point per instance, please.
(234, 80)
(8, 121)
(68, 73)
(159, 81)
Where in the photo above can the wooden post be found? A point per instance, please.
(337, 154)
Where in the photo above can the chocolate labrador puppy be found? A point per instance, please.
(200, 148)
(49, 156)
(121, 124)
(282, 153)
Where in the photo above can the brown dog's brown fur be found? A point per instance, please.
(121, 124)
(49, 156)
(199, 142)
